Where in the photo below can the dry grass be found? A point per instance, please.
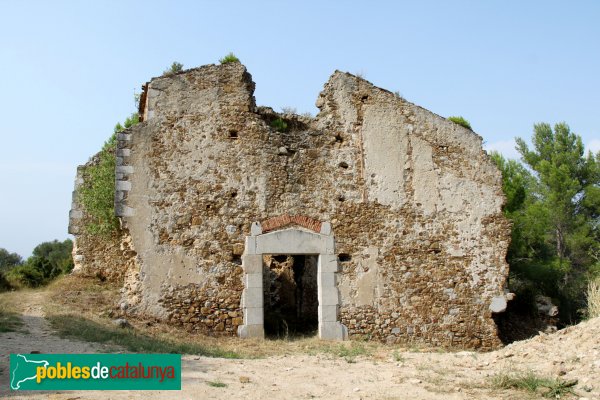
(87, 305)
(9, 321)
(593, 298)
(530, 382)
(10, 309)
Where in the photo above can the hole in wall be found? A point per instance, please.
(233, 134)
(236, 259)
(339, 138)
(341, 198)
(280, 258)
(343, 165)
(233, 194)
(344, 257)
(290, 295)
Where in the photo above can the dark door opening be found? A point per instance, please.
(290, 295)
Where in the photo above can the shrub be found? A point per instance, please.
(49, 260)
(173, 69)
(25, 276)
(229, 58)
(98, 190)
(279, 125)
(4, 283)
(129, 122)
(461, 121)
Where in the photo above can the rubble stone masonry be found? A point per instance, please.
(413, 201)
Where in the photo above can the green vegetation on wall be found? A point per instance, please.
(173, 69)
(229, 58)
(461, 121)
(97, 192)
(279, 125)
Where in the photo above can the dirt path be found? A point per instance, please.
(36, 335)
(569, 354)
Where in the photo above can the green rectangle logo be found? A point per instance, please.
(95, 372)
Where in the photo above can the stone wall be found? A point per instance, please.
(414, 202)
(104, 257)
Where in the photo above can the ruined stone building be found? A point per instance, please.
(376, 218)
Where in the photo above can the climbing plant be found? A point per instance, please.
(97, 192)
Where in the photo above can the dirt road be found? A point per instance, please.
(569, 354)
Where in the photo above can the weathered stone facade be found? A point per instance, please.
(412, 200)
(107, 257)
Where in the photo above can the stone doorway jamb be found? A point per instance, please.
(291, 241)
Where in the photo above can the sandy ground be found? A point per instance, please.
(573, 353)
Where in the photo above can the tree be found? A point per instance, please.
(557, 236)
(8, 260)
(130, 121)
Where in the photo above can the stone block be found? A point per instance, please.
(123, 185)
(251, 331)
(255, 229)
(254, 316)
(75, 214)
(328, 313)
(253, 280)
(252, 263)
(498, 304)
(325, 228)
(329, 245)
(124, 169)
(253, 297)
(292, 241)
(329, 296)
(332, 331)
(327, 279)
(123, 211)
(250, 245)
(328, 263)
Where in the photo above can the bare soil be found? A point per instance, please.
(387, 373)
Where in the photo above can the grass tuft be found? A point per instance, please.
(530, 382)
(229, 58)
(593, 298)
(71, 326)
(461, 121)
(349, 353)
(397, 356)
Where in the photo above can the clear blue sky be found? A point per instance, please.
(68, 71)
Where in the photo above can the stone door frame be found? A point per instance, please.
(291, 241)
